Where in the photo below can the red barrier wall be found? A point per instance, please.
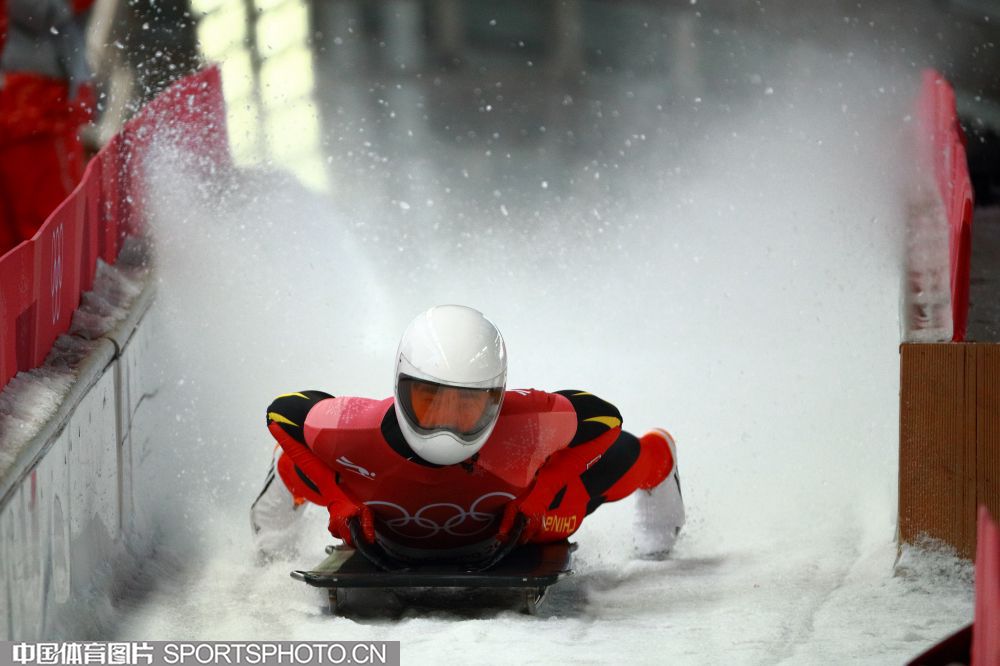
(58, 255)
(944, 144)
(41, 280)
(17, 297)
(986, 628)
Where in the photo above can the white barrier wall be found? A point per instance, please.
(139, 384)
(71, 514)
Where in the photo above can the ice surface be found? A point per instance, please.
(726, 266)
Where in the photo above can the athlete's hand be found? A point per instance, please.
(531, 509)
(551, 512)
(340, 515)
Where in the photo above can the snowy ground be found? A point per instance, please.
(727, 268)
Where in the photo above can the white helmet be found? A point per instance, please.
(451, 369)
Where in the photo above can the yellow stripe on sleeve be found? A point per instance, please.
(278, 418)
(293, 395)
(610, 421)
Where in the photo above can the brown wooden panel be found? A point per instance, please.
(933, 466)
(988, 426)
(966, 518)
(949, 440)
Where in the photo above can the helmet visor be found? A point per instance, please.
(465, 412)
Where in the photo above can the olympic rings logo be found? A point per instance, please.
(480, 520)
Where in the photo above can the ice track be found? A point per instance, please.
(725, 267)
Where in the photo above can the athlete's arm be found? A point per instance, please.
(599, 424)
(286, 417)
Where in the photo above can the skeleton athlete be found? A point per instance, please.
(447, 465)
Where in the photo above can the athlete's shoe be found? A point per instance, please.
(660, 509)
(275, 518)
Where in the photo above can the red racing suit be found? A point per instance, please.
(552, 457)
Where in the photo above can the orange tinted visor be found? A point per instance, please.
(463, 411)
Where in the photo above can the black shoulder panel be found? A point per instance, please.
(594, 416)
(290, 410)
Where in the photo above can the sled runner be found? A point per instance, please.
(531, 568)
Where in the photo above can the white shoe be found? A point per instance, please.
(659, 511)
(275, 519)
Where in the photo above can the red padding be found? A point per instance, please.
(190, 117)
(109, 199)
(58, 253)
(17, 295)
(41, 280)
(192, 114)
(986, 630)
(944, 147)
(89, 199)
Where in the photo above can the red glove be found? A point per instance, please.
(543, 522)
(342, 512)
(532, 521)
